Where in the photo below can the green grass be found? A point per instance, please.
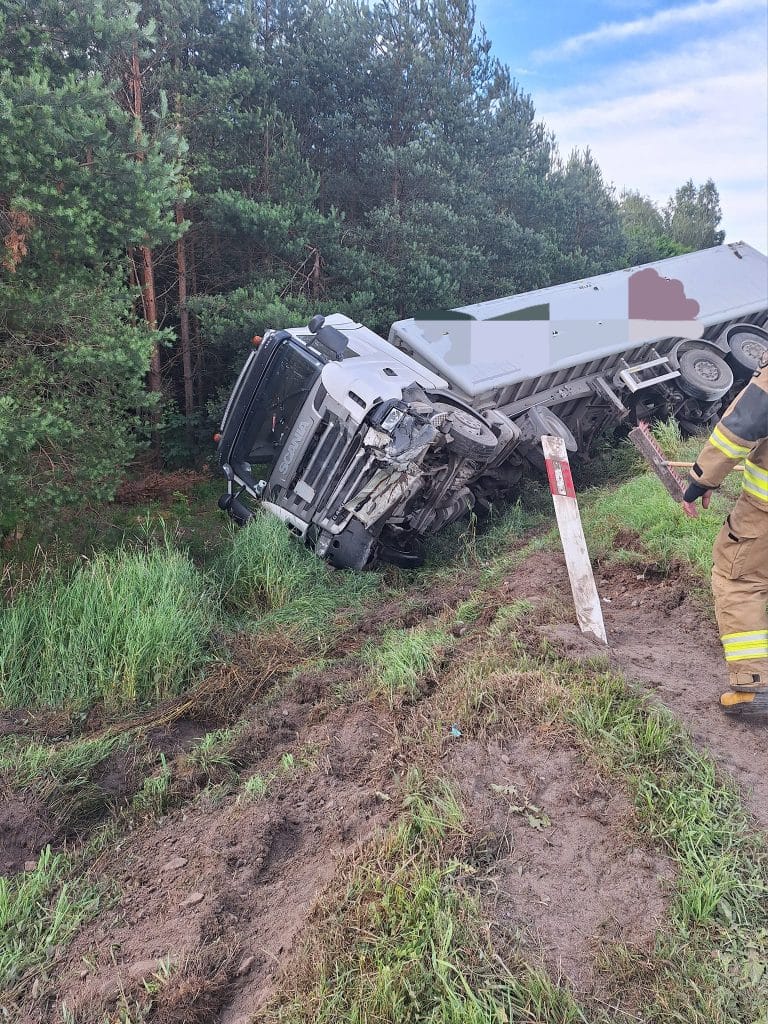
(401, 658)
(40, 910)
(155, 795)
(710, 964)
(404, 943)
(26, 763)
(470, 543)
(643, 506)
(268, 574)
(68, 535)
(126, 628)
(255, 787)
(62, 778)
(215, 756)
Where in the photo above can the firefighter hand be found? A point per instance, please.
(691, 496)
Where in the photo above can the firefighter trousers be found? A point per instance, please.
(740, 589)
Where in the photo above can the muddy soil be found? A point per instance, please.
(234, 881)
(25, 828)
(661, 636)
(234, 873)
(564, 872)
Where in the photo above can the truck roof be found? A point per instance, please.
(568, 324)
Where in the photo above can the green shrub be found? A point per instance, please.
(128, 627)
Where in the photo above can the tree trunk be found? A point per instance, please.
(146, 267)
(196, 342)
(315, 281)
(150, 313)
(186, 352)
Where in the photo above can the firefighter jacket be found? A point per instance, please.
(741, 435)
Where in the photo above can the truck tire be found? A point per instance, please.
(748, 346)
(406, 552)
(471, 435)
(540, 420)
(704, 375)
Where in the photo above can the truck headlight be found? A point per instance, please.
(392, 419)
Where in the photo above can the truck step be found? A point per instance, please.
(645, 375)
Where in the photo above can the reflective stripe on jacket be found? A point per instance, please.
(741, 434)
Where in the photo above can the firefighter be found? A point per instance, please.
(740, 555)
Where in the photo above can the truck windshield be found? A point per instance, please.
(281, 394)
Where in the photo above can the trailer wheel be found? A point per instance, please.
(704, 375)
(472, 437)
(747, 350)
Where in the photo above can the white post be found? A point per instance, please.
(585, 596)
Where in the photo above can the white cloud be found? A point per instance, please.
(699, 111)
(652, 24)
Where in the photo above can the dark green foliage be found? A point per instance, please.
(643, 225)
(693, 214)
(74, 200)
(369, 158)
(689, 221)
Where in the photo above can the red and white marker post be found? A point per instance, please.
(585, 597)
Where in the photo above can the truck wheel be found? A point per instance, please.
(747, 349)
(540, 420)
(406, 552)
(704, 375)
(472, 437)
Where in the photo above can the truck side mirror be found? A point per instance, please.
(316, 323)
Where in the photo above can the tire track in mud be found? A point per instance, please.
(246, 877)
(571, 875)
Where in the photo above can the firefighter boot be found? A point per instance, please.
(743, 704)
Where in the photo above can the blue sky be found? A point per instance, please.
(661, 92)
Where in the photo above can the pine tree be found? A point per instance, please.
(643, 226)
(73, 359)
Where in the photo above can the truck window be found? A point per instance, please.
(282, 392)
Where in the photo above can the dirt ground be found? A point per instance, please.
(240, 876)
(225, 886)
(244, 876)
(563, 870)
(660, 637)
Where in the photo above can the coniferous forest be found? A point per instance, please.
(177, 175)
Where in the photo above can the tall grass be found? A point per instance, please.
(267, 573)
(265, 567)
(127, 627)
(643, 506)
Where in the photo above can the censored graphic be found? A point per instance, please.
(580, 318)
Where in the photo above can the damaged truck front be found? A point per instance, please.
(364, 447)
(358, 448)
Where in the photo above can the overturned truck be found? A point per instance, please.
(364, 447)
